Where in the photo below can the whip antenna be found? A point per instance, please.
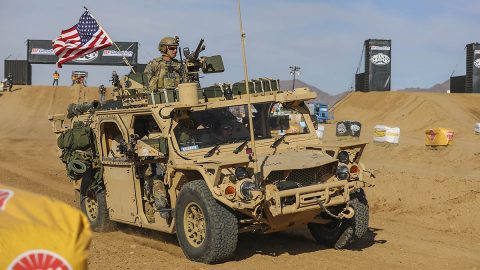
(256, 174)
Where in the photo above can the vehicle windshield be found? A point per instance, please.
(202, 129)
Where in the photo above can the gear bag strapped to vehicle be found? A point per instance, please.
(78, 146)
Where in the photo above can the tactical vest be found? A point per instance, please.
(163, 74)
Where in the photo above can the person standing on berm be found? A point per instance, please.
(56, 76)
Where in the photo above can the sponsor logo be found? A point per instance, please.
(380, 48)
(379, 133)
(341, 128)
(355, 128)
(450, 135)
(5, 195)
(476, 63)
(431, 135)
(117, 53)
(380, 59)
(87, 58)
(42, 51)
(39, 259)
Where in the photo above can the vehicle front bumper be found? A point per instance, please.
(308, 198)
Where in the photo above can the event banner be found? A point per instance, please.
(378, 64)
(475, 67)
(41, 52)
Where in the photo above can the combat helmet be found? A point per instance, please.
(167, 41)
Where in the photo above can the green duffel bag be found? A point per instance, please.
(77, 138)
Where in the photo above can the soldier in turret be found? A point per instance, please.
(164, 72)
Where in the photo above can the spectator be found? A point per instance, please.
(56, 76)
(10, 82)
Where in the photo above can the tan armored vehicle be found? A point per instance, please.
(181, 161)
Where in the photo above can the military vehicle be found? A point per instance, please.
(182, 161)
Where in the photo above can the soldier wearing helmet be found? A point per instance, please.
(164, 72)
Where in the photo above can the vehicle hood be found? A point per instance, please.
(294, 159)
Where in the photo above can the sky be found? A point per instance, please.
(324, 38)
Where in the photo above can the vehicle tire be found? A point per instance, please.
(94, 206)
(206, 230)
(341, 233)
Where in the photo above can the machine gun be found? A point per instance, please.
(193, 63)
(128, 148)
(78, 109)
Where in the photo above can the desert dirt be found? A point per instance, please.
(424, 210)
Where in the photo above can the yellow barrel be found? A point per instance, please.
(46, 233)
(438, 137)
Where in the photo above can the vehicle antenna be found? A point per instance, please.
(294, 70)
(116, 46)
(256, 174)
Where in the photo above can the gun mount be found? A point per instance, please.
(193, 63)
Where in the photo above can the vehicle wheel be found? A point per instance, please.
(341, 233)
(206, 230)
(94, 206)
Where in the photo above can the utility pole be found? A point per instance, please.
(294, 70)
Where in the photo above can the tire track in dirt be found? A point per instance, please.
(423, 208)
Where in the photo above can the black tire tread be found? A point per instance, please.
(102, 223)
(222, 227)
(353, 229)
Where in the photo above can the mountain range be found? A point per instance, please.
(324, 97)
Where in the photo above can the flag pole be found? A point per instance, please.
(113, 42)
(256, 173)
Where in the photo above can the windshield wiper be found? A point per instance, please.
(278, 141)
(240, 147)
(212, 151)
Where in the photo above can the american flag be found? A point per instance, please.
(83, 38)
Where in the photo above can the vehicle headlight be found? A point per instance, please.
(241, 173)
(246, 188)
(343, 156)
(343, 173)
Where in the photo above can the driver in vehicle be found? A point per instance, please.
(184, 132)
(223, 133)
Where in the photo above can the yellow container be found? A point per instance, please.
(46, 233)
(438, 137)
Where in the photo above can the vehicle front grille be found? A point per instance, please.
(303, 177)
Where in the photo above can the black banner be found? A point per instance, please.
(348, 128)
(378, 64)
(41, 52)
(476, 69)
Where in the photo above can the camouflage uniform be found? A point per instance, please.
(184, 132)
(163, 74)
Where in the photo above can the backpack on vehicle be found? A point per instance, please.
(78, 148)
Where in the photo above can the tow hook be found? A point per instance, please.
(347, 212)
